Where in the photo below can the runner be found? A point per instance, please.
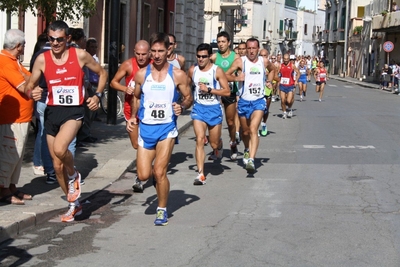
(321, 76)
(267, 95)
(242, 49)
(304, 77)
(210, 84)
(252, 104)
(176, 60)
(287, 84)
(158, 87)
(275, 81)
(224, 59)
(62, 69)
(128, 69)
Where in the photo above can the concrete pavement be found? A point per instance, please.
(100, 163)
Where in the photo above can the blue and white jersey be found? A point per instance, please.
(157, 98)
(207, 78)
(253, 86)
(303, 73)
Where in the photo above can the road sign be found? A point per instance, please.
(388, 46)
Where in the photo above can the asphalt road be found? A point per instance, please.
(325, 194)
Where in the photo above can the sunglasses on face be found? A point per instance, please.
(273, 58)
(58, 39)
(202, 56)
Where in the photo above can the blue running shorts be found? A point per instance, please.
(246, 108)
(210, 114)
(151, 134)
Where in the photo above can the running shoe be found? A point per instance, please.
(217, 153)
(237, 136)
(234, 151)
(71, 213)
(137, 186)
(74, 188)
(264, 130)
(301, 98)
(273, 98)
(51, 178)
(290, 114)
(284, 116)
(250, 165)
(246, 156)
(320, 100)
(161, 218)
(200, 179)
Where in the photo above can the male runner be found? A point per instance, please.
(158, 87)
(128, 69)
(176, 60)
(267, 95)
(321, 76)
(275, 81)
(252, 104)
(210, 84)
(287, 84)
(224, 59)
(62, 69)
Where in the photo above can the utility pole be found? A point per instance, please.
(113, 61)
(346, 39)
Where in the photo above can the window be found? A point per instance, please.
(160, 26)
(305, 29)
(335, 21)
(146, 22)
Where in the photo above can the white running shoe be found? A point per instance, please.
(290, 114)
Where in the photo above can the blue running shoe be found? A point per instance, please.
(162, 218)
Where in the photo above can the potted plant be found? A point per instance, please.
(384, 12)
(357, 30)
(287, 32)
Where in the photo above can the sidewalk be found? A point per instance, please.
(364, 83)
(101, 163)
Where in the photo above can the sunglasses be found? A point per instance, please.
(59, 39)
(202, 56)
(273, 58)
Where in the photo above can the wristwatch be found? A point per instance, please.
(209, 90)
(99, 95)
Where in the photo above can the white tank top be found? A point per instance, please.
(208, 78)
(157, 98)
(175, 62)
(253, 86)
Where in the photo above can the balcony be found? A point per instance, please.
(386, 23)
(317, 37)
(233, 4)
(292, 36)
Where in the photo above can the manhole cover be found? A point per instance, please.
(359, 178)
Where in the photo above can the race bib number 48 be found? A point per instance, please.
(66, 95)
(158, 111)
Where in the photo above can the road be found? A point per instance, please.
(325, 194)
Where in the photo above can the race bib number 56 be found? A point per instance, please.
(66, 95)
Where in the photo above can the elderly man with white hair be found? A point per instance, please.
(16, 113)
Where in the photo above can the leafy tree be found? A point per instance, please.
(51, 9)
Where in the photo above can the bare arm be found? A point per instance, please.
(182, 82)
(236, 66)
(223, 81)
(182, 62)
(37, 70)
(123, 71)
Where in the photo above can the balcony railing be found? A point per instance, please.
(291, 36)
(391, 19)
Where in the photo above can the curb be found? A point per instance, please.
(32, 219)
(363, 84)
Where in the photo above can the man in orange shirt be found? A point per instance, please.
(16, 110)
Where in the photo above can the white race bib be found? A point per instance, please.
(67, 95)
(285, 81)
(157, 111)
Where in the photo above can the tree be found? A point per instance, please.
(51, 9)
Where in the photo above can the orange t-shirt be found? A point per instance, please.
(14, 106)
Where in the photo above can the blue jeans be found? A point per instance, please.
(45, 154)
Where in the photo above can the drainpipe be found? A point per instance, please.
(346, 32)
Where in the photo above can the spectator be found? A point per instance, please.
(385, 76)
(16, 110)
(394, 7)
